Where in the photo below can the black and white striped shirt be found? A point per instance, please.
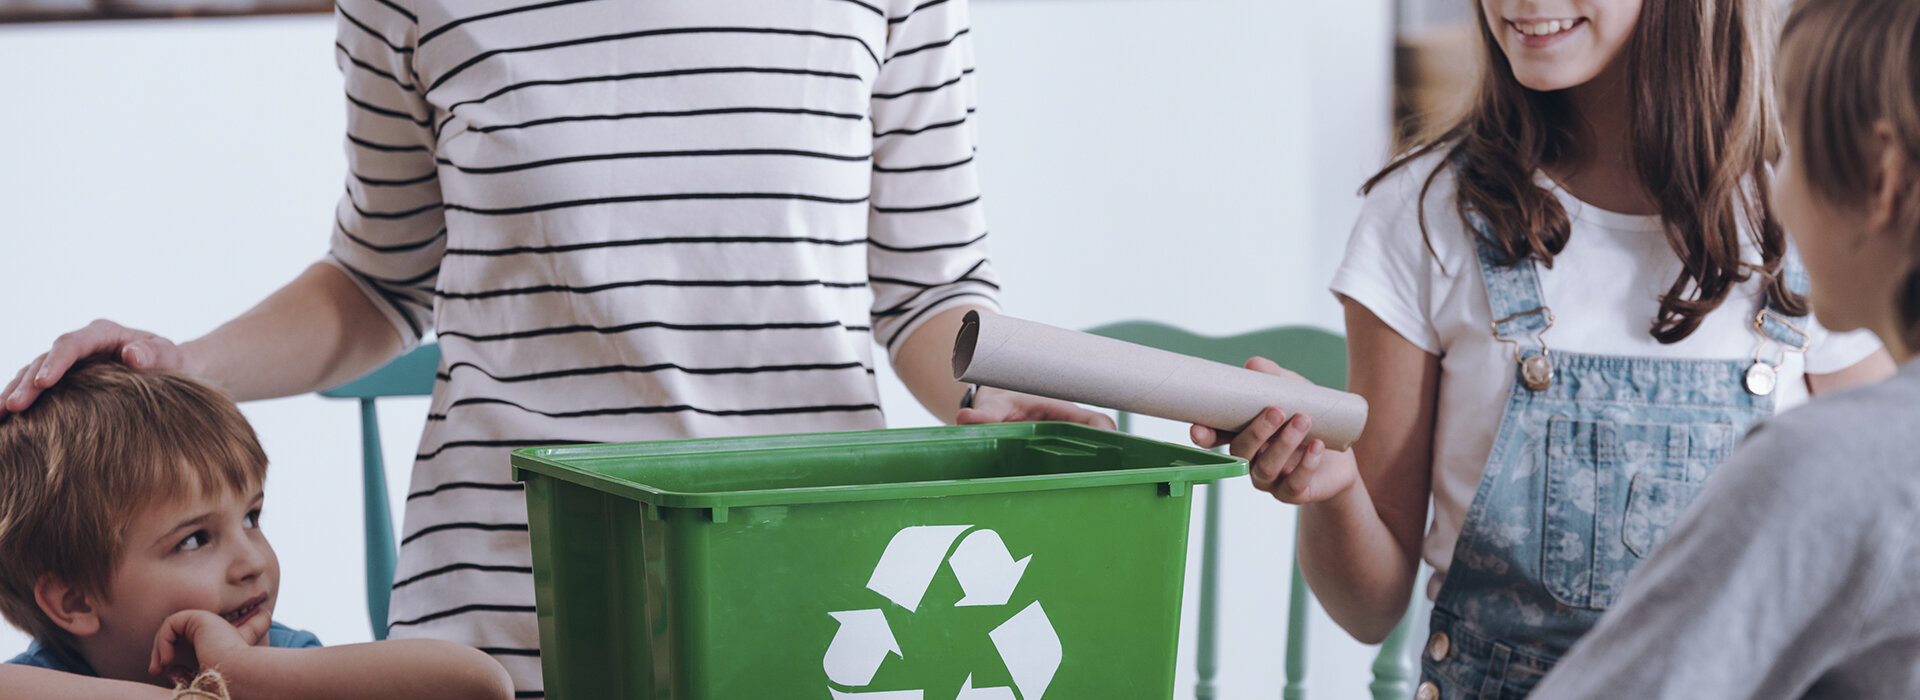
(638, 220)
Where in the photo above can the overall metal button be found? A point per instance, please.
(1761, 378)
(1437, 646)
(1537, 372)
(1427, 691)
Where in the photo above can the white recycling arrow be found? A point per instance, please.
(882, 695)
(863, 642)
(1031, 650)
(968, 692)
(987, 572)
(910, 561)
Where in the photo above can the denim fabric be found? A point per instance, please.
(1585, 478)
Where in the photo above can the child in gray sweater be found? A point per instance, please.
(1797, 573)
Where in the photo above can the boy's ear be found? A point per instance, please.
(67, 606)
(1893, 182)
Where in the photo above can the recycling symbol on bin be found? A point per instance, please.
(988, 576)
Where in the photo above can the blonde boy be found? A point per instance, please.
(130, 535)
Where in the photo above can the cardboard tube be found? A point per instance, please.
(1035, 358)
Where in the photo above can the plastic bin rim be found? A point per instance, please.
(1208, 467)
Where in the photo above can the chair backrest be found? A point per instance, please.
(411, 374)
(1321, 357)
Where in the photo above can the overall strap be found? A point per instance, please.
(1789, 331)
(1513, 291)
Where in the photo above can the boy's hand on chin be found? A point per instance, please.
(190, 641)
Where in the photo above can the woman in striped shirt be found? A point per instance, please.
(623, 222)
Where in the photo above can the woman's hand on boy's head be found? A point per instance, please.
(190, 641)
(136, 348)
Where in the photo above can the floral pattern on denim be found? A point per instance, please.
(1585, 478)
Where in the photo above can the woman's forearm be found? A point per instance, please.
(925, 363)
(316, 332)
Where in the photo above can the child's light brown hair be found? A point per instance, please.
(1845, 67)
(93, 450)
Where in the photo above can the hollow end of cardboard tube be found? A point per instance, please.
(964, 342)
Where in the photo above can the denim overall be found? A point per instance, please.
(1586, 475)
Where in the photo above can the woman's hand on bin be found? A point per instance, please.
(992, 405)
(136, 348)
(1280, 459)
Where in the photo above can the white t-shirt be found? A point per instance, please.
(1604, 289)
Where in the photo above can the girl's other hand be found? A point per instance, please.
(138, 349)
(1280, 459)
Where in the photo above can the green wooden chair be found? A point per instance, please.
(1321, 357)
(411, 374)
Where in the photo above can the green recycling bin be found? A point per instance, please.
(1000, 562)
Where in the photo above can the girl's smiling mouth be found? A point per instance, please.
(1537, 33)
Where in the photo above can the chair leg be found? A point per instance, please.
(1297, 606)
(1393, 670)
(1209, 663)
(381, 557)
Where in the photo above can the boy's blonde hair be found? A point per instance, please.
(94, 449)
(1847, 65)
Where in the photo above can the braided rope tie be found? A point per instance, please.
(209, 685)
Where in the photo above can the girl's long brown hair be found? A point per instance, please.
(1703, 129)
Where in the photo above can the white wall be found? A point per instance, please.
(1192, 161)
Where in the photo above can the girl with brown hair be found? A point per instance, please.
(1564, 311)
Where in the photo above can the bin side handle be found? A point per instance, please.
(1061, 450)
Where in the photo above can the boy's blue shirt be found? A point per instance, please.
(277, 636)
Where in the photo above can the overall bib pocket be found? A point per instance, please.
(1614, 489)
(1652, 508)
